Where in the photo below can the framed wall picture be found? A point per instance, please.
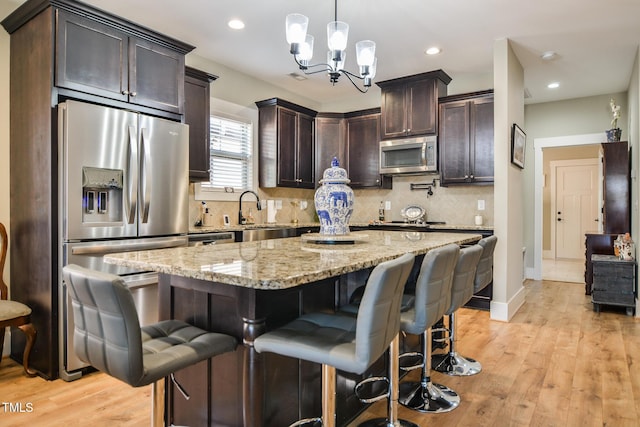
(518, 140)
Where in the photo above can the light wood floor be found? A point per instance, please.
(557, 363)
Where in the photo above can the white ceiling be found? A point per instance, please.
(596, 40)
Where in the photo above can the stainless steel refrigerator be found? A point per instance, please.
(123, 187)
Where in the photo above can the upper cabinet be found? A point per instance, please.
(286, 144)
(410, 104)
(465, 138)
(353, 138)
(102, 60)
(196, 114)
(94, 55)
(331, 141)
(363, 140)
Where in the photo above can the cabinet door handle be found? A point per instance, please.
(134, 93)
(125, 92)
(471, 176)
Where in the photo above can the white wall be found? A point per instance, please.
(633, 108)
(508, 292)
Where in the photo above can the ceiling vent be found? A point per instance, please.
(297, 76)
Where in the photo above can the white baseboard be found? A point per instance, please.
(505, 311)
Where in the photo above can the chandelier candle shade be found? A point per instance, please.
(301, 47)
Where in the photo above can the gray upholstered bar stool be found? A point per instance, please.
(473, 280)
(351, 344)
(432, 298)
(108, 336)
(461, 291)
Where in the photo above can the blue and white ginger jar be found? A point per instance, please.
(334, 201)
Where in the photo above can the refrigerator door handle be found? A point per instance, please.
(146, 174)
(132, 173)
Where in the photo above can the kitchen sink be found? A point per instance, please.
(267, 232)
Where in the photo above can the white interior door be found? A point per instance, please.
(576, 205)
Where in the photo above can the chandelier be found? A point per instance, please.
(337, 32)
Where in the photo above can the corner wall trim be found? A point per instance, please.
(503, 312)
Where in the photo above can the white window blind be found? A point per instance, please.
(231, 154)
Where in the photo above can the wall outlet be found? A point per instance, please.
(480, 205)
(303, 204)
(387, 205)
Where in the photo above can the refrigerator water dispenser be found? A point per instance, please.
(101, 195)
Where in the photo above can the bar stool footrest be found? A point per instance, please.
(407, 355)
(446, 335)
(307, 421)
(431, 398)
(371, 380)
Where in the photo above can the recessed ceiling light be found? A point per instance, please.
(553, 85)
(549, 55)
(236, 24)
(433, 51)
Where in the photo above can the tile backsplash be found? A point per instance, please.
(455, 205)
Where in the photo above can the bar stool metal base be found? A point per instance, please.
(430, 398)
(455, 364)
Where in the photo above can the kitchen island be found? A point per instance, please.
(245, 289)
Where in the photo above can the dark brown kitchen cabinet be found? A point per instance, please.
(466, 139)
(65, 49)
(103, 60)
(410, 104)
(363, 139)
(196, 114)
(286, 144)
(331, 141)
(616, 203)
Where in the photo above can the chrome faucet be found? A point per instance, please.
(242, 219)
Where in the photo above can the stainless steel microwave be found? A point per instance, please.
(409, 155)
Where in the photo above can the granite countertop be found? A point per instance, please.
(285, 263)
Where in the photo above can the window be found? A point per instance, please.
(231, 156)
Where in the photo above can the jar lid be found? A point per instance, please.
(335, 174)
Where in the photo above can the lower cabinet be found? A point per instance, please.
(613, 282)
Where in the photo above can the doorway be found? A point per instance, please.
(574, 206)
(539, 185)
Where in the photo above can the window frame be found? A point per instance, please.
(227, 110)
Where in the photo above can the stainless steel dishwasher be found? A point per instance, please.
(214, 238)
